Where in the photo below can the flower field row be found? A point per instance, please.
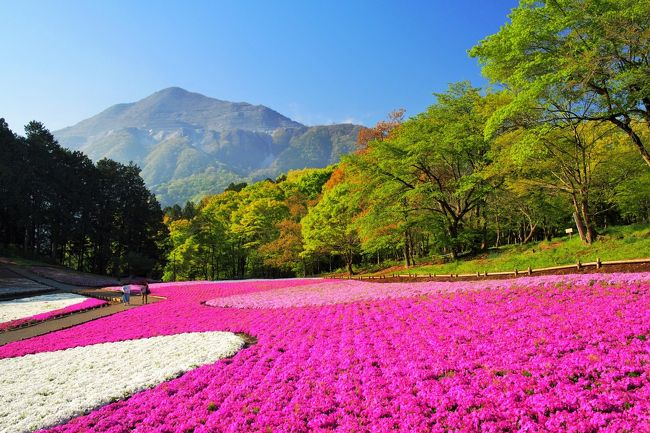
(337, 291)
(182, 311)
(543, 357)
(43, 389)
(39, 308)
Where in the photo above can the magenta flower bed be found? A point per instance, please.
(549, 357)
(342, 291)
(84, 305)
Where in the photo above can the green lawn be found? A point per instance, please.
(614, 243)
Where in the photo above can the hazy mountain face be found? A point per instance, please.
(189, 145)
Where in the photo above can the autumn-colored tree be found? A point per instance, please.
(382, 129)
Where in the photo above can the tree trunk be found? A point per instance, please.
(636, 140)
(412, 250)
(531, 232)
(407, 255)
(348, 262)
(484, 237)
(453, 234)
(590, 234)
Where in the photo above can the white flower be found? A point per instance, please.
(45, 389)
(27, 307)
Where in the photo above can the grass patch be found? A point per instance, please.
(614, 243)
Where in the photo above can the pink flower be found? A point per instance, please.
(532, 355)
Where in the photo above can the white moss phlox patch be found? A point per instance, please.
(27, 307)
(45, 389)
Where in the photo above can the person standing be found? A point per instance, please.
(126, 294)
(145, 293)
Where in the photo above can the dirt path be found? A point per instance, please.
(17, 282)
(37, 279)
(69, 321)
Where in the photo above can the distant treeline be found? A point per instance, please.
(92, 217)
(248, 230)
(561, 143)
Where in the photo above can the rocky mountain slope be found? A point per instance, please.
(190, 145)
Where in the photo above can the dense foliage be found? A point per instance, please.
(555, 145)
(247, 230)
(587, 60)
(57, 203)
(432, 186)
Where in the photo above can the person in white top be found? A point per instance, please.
(126, 294)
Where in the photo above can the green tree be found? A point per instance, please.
(436, 163)
(328, 226)
(57, 203)
(587, 59)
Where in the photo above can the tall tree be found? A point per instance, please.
(56, 202)
(329, 225)
(436, 163)
(592, 55)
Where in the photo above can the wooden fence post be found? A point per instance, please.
(516, 272)
(599, 264)
(579, 265)
(530, 270)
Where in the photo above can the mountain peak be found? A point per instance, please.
(189, 144)
(172, 90)
(176, 93)
(175, 107)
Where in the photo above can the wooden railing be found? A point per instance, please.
(529, 271)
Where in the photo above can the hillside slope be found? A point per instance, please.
(189, 145)
(614, 243)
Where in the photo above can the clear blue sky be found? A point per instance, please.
(316, 62)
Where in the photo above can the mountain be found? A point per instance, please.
(190, 145)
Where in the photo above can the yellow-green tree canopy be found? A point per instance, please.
(592, 55)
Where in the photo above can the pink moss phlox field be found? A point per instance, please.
(84, 305)
(338, 291)
(181, 311)
(552, 357)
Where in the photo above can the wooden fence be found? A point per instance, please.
(529, 271)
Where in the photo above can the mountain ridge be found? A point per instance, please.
(190, 145)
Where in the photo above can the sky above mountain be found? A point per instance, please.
(316, 62)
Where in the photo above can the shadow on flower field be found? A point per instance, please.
(543, 354)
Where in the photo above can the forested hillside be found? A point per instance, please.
(93, 217)
(560, 141)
